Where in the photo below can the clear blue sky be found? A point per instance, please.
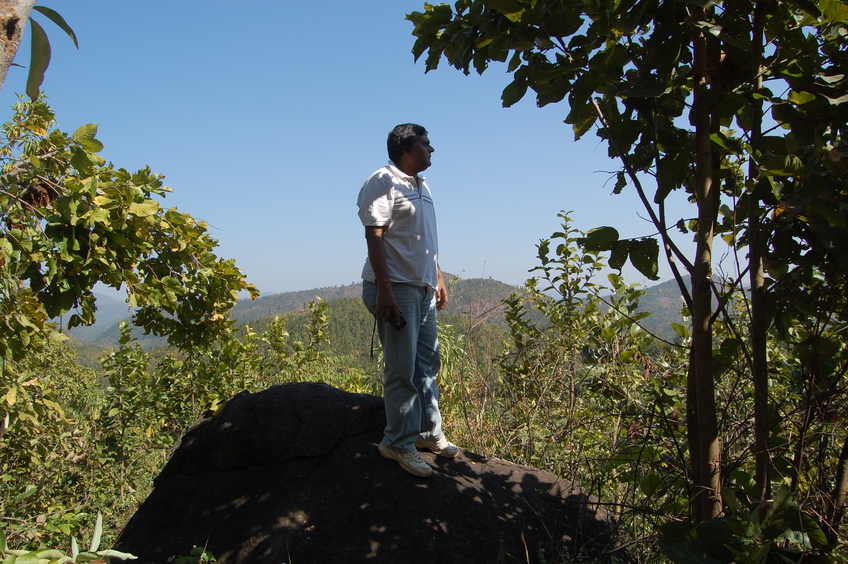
(266, 117)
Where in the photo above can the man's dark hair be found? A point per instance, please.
(402, 138)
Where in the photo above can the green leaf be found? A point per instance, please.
(835, 12)
(60, 21)
(620, 182)
(145, 208)
(28, 491)
(84, 135)
(599, 239)
(646, 86)
(618, 254)
(88, 557)
(801, 97)
(80, 161)
(787, 165)
(98, 532)
(509, 8)
(514, 92)
(651, 483)
(514, 62)
(815, 535)
(583, 124)
(50, 554)
(703, 3)
(564, 22)
(39, 59)
(717, 538)
(672, 170)
(644, 255)
(837, 101)
(117, 554)
(807, 6)
(96, 215)
(725, 142)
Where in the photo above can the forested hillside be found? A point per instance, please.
(478, 301)
(247, 311)
(476, 297)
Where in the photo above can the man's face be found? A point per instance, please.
(420, 153)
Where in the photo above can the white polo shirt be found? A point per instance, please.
(391, 199)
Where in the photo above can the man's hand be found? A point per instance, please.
(387, 308)
(441, 293)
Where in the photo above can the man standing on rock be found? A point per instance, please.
(403, 287)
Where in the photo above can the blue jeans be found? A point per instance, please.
(411, 365)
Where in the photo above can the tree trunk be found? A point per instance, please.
(14, 15)
(707, 492)
(840, 490)
(693, 435)
(759, 368)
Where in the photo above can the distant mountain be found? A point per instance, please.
(665, 303)
(479, 299)
(110, 312)
(246, 311)
(87, 354)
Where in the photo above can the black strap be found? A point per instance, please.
(374, 332)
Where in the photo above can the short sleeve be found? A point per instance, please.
(376, 201)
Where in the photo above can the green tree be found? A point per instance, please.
(69, 221)
(741, 105)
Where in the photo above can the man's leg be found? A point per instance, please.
(427, 366)
(403, 407)
(428, 363)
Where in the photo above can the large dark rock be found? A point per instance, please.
(292, 475)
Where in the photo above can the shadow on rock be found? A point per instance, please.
(292, 475)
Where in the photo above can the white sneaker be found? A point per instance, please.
(409, 461)
(440, 446)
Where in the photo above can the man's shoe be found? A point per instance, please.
(440, 446)
(409, 461)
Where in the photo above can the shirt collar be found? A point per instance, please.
(398, 172)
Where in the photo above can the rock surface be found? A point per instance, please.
(292, 475)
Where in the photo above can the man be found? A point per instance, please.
(403, 287)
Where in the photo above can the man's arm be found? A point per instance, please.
(441, 292)
(387, 307)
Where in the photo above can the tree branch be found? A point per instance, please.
(659, 222)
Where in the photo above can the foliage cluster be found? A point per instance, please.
(589, 395)
(67, 222)
(118, 428)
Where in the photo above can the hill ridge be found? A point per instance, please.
(477, 298)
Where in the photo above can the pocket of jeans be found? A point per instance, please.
(369, 296)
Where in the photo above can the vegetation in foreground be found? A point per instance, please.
(582, 391)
